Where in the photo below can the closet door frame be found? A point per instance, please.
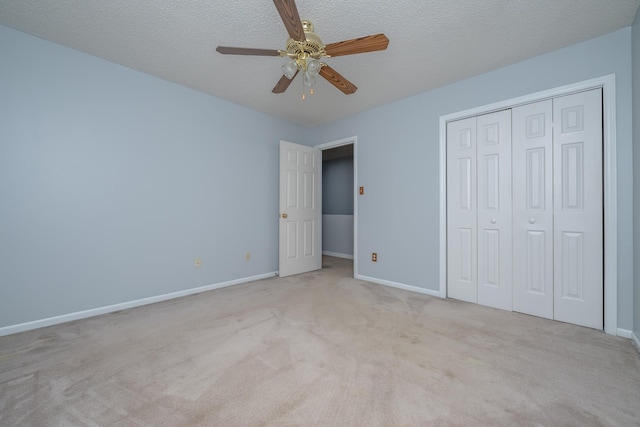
(608, 85)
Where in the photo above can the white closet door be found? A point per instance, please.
(461, 210)
(533, 209)
(494, 209)
(578, 209)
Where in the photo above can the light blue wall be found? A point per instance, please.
(337, 235)
(398, 160)
(337, 186)
(337, 206)
(636, 176)
(112, 182)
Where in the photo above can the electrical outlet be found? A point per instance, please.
(374, 257)
(247, 256)
(198, 263)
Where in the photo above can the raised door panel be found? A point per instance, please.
(578, 204)
(532, 156)
(536, 264)
(291, 230)
(494, 209)
(461, 210)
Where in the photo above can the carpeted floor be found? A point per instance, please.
(318, 349)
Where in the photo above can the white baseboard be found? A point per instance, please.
(635, 340)
(27, 326)
(337, 255)
(624, 333)
(430, 292)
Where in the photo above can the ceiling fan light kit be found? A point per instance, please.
(290, 69)
(305, 50)
(304, 57)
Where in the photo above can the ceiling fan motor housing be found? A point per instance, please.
(312, 47)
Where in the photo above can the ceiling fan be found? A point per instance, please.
(305, 49)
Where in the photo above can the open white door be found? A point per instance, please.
(300, 210)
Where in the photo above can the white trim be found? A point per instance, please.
(22, 327)
(608, 84)
(397, 285)
(338, 143)
(337, 254)
(635, 340)
(610, 204)
(443, 206)
(624, 333)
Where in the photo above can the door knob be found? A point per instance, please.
(284, 215)
(532, 220)
(493, 221)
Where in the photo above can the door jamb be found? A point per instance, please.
(338, 143)
(608, 85)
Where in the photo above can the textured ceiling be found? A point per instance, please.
(432, 42)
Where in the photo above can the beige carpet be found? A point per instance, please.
(319, 349)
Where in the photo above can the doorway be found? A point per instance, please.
(339, 202)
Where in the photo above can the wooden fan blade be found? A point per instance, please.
(289, 13)
(226, 50)
(360, 45)
(283, 84)
(337, 80)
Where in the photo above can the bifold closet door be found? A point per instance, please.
(532, 152)
(578, 209)
(525, 209)
(494, 209)
(479, 209)
(461, 211)
(558, 209)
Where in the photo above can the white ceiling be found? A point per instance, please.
(432, 42)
